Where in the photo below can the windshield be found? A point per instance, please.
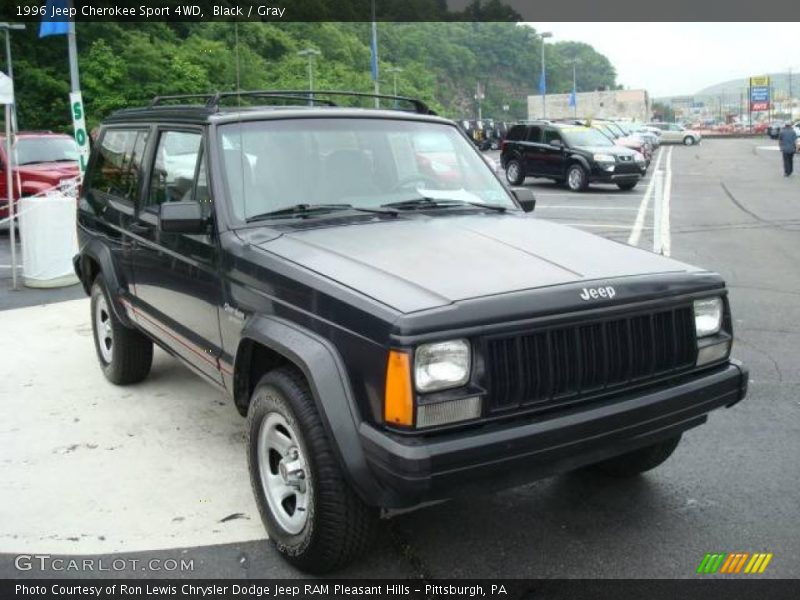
(366, 163)
(585, 136)
(46, 149)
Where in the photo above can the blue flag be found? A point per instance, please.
(373, 46)
(49, 26)
(542, 84)
(573, 99)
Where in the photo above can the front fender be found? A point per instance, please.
(327, 377)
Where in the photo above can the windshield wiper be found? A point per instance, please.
(308, 210)
(425, 202)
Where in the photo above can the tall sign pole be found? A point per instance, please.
(76, 100)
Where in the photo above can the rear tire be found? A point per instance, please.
(514, 172)
(638, 461)
(125, 354)
(627, 186)
(313, 517)
(577, 179)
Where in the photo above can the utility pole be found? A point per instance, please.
(310, 53)
(791, 103)
(543, 79)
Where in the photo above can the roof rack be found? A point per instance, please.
(213, 99)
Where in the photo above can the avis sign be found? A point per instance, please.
(759, 93)
(79, 125)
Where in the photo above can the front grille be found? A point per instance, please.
(560, 364)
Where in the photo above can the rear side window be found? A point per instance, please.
(118, 164)
(534, 134)
(516, 133)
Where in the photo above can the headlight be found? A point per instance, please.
(604, 158)
(638, 157)
(442, 365)
(707, 316)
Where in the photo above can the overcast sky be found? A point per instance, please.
(670, 59)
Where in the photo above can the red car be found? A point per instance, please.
(43, 159)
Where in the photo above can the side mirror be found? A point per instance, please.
(182, 217)
(557, 143)
(525, 199)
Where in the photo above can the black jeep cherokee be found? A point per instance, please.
(568, 153)
(392, 322)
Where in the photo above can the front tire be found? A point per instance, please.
(125, 354)
(688, 141)
(514, 172)
(577, 179)
(638, 461)
(313, 517)
(627, 186)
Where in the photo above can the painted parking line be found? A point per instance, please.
(638, 224)
(88, 467)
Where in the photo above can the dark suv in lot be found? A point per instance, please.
(395, 331)
(571, 154)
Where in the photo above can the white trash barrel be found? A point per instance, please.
(49, 240)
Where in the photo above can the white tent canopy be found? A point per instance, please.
(6, 89)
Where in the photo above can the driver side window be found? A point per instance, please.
(172, 178)
(551, 135)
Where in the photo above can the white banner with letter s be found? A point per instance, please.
(79, 124)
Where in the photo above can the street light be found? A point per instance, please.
(310, 53)
(544, 35)
(394, 71)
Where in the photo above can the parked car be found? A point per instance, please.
(672, 133)
(648, 135)
(774, 128)
(568, 153)
(390, 340)
(43, 160)
(630, 139)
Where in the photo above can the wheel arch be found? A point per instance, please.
(272, 342)
(95, 258)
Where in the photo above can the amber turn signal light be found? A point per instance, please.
(398, 400)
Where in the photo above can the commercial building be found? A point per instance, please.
(622, 104)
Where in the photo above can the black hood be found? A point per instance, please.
(613, 150)
(422, 262)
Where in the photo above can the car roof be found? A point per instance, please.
(259, 105)
(193, 114)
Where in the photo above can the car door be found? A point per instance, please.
(532, 147)
(672, 133)
(552, 153)
(177, 285)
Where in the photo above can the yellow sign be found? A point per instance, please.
(761, 81)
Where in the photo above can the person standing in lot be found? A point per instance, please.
(788, 140)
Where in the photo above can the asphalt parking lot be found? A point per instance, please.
(158, 470)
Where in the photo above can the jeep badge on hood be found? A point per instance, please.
(598, 292)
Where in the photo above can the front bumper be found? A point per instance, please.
(411, 470)
(600, 176)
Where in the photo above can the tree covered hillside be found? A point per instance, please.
(127, 64)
